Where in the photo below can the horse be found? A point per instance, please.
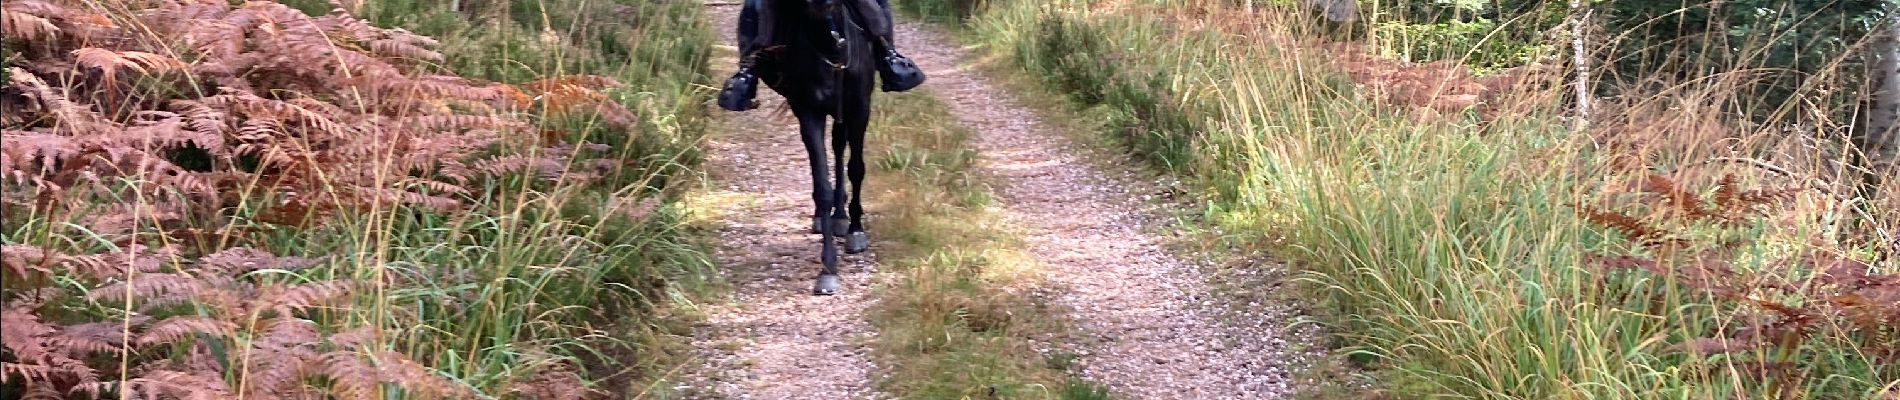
(822, 64)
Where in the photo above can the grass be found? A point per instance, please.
(956, 323)
(1451, 247)
(659, 52)
(534, 276)
(616, 297)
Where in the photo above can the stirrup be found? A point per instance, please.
(899, 73)
(740, 92)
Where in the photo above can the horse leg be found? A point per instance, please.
(839, 219)
(850, 130)
(811, 130)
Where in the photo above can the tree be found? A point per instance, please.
(1879, 138)
(1876, 137)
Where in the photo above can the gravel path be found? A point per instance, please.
(773, 339)
(1151, 330)
(1148, 327)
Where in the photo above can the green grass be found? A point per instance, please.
(954, 324)
(1451, 249)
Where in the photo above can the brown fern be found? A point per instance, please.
(173, 329)
(164, 384)
(38, 360)
(1632, 228)
(299, 117)
(22, 25)
(1781, 314)
(280, 358)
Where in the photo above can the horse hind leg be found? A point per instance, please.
(850, 131)
(811, 128)
(840, 219)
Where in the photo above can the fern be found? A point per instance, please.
(212, 108)
(1839, 292)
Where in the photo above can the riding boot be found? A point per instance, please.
(899, 73)
(741, 90)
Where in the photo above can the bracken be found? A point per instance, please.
(202, 107)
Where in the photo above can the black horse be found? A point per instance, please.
(823, 73)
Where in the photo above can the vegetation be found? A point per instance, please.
(1472, 240)
(297, 200)
(955, 323)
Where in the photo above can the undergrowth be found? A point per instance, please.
(270, 200)
(1443, 213)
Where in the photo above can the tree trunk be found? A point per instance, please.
(1877, 137)
(1332, 10)
(1879, 140)
(1580, 57)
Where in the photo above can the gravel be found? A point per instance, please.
(1149, 325)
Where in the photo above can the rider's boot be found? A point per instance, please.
(899, 73)
(741, 89)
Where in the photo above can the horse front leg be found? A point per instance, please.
(811, 130)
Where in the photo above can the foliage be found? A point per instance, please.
(1787, 48)
(188, 355)
(1787, 308)
(1789, 41)
(1470, 42)
(219, 200)
(1434, 207)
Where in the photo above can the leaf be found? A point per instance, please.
(173, 329)
(1846, 272)
(25, 26)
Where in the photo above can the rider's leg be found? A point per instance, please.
(754, 33)
(898, 72)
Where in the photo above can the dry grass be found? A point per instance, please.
(1446, 229)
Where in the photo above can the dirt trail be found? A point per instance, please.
(774, 340)
(1148, 327)
(1151, 328)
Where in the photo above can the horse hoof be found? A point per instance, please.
(817, 224)
(827, 285)
(856, 242)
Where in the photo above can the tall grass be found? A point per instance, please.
(1452, 244)
(587, 272)
(576, 268)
